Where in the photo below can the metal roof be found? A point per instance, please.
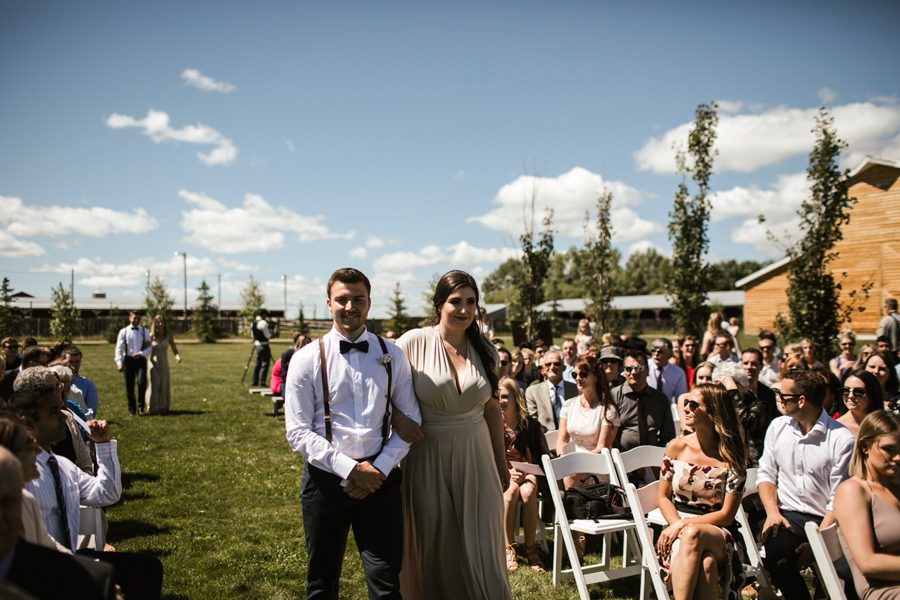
(728, 298)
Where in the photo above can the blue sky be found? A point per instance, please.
(403, 138)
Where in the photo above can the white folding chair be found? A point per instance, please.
(754, 567)
(641, 501)
(91, 528)
(640, 458)
(676, 419)
(826, 548)
(556, 469)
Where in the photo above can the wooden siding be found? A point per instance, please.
(869, 252)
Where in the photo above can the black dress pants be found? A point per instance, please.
(377, 522)
(135, 370)
(261, 368)
(140, 575)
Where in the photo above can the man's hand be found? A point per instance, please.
(136, 354)
(119, 367)
(99, 431)
(773, 524)
(408, 430)
(365, 479)
(353, 491)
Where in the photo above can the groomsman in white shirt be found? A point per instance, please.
(806, 455)
(132, 351)
(339, 396)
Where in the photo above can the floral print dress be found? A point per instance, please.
(701, 489)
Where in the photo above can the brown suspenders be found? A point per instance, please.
(385, 425)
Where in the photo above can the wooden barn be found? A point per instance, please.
(869, 252)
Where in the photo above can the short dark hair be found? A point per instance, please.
(754, 351)
(767, 335)
(884, 340)
(31, 354)
(808, 383)
(348, 275)
(135, 312)
(891, 303)
(636, 355)
(71, 350)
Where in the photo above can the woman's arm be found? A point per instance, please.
(852, 506)
(722, 517)
(494, 419)
(174, 349)
(608, 433)
(562, 436)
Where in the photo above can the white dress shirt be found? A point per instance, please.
(357, 386)
(674, 382)
(806, 469)
(78, 488)
(130, 340)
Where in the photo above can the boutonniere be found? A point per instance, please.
(384, 360)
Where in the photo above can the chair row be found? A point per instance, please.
(639, 551)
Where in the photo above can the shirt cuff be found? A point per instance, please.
(107, 449)
(344, 465)
(384, 464)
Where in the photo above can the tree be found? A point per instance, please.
(535, 267)
(500, 287)
(204, 316)
(689, 281)
(398, 318)
(65, 323)
(302, 326)
(724, 274)
(645, 272)
(158, 301)
(252, 301)
(11, 318)
(427, 297)
(813, 295)
(600, 264)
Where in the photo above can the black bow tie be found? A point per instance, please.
(362, 346)
(134, 327)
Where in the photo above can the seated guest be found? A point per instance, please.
(276, 382)
(687, 359)
(722, 349)
(881, 365)
(645, 415)
(9, 347)
(770, 373)
(590, 419)
(611, 363)
(76, 444)
(867, 508)
(806, 455)
(34, 571)
(704, 473)
(666, 377)
(809, 350)
(504, 364)
(569, 354)
(865, 352)
(525, 442)
(842, 364)
(702, 374)
(35, 356)
(861, 393)
(757, 407)
(300, 340)
(584, 339)
(544, 399)
(71, 356)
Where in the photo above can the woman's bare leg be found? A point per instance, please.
(696, 542)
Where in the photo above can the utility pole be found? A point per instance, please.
(184, 259)
(284, 279)
(220, 295)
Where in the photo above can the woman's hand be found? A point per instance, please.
(668, 537)
(503, 472)
(178, 358)
(517, 476)
(408, 430)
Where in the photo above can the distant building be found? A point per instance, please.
(869, 252)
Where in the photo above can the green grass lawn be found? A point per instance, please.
(212, 488)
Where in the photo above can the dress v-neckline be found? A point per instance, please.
(453, 369)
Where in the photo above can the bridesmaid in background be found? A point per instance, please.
(159, 388)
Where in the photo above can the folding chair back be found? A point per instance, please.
(642, 457)
(570, 464)
(754, 566)
(676, 419)
(91, 528)
(551, 439)
(826, 547)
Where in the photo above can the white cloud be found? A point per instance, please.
(359, 252)
(156, 126)
(373, 242)
(12, 247)
(309, 291)
(643, 246)
(747, 142)
(290, 146)
(753, 233)
(569, 195)
(461, 255)
(256, 226)
(779, 202)
(21, 220)
(827, 95)
(459, 175)
(97, 272)
(195, 78)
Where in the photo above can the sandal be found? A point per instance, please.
(511, 563)
(534, 559)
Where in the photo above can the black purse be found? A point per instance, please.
(598, 500)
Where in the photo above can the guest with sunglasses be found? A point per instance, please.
(645, 413)
(806, 456)
(861, 393)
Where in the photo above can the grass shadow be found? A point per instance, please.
(127, 495)
(129, 478)
(132, 528)
(183, 412)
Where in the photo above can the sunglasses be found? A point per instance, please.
(553, 364)
(582, 374)
(655, 350)
(11, 346)
(859, 392)
(785, 398)
(765, 348)
(634, 368)
(693, 405)
(504, 362)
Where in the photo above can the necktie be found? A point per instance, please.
(362, 346)
(554, 400)
(60, 500)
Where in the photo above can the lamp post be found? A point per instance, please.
(284, 279)
(184, 262)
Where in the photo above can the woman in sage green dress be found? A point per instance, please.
(159, 388)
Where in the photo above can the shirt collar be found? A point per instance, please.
(821, 425)
(363, 336)
(42, 457)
